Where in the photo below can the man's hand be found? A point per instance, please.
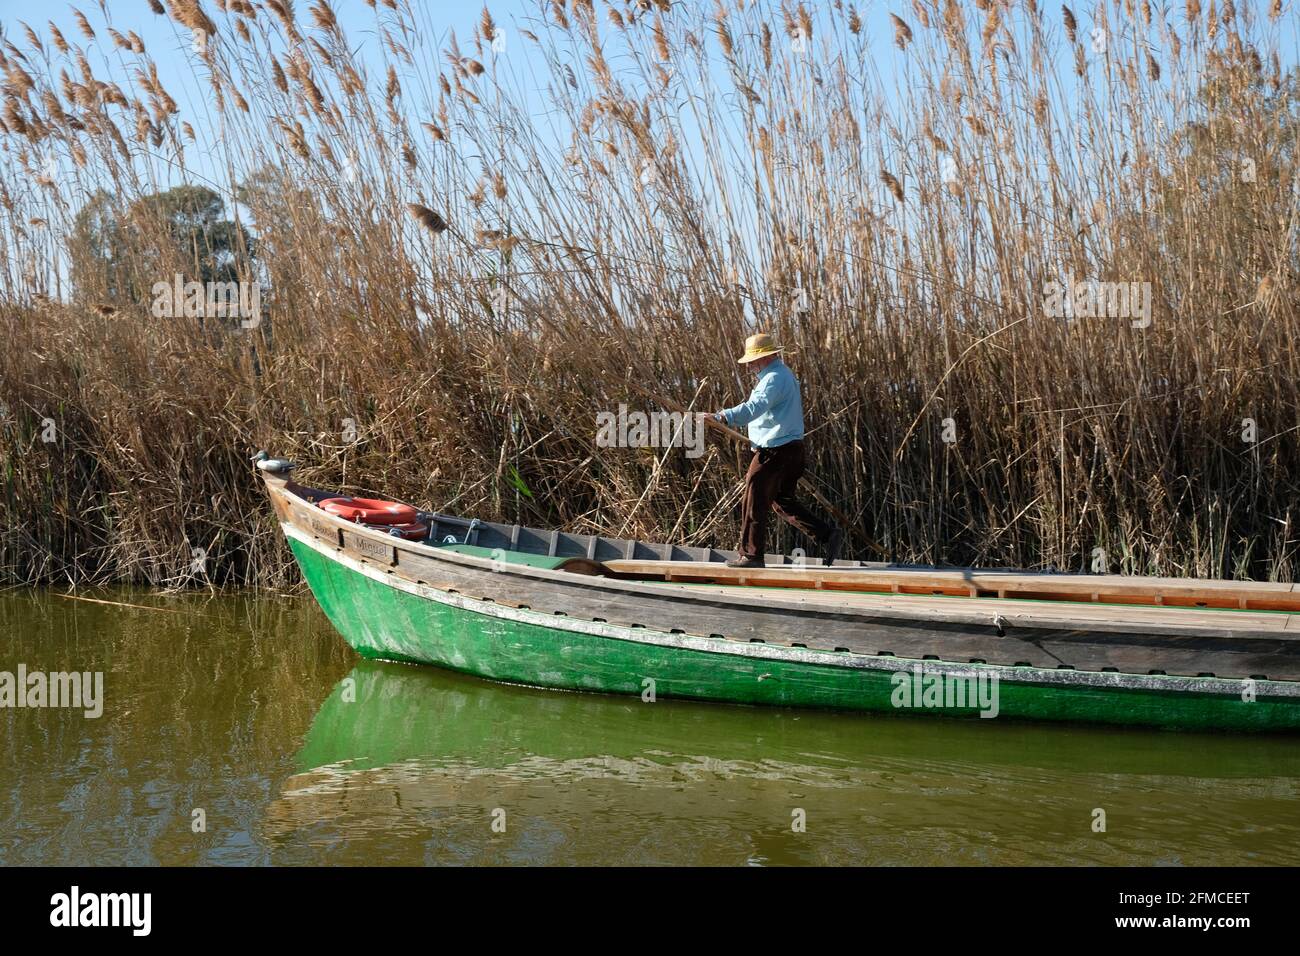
(718, 417)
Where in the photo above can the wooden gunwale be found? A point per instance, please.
(1284, 625)
(975, 583)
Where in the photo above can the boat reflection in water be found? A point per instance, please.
(406, 764)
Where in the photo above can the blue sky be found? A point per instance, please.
(170, 45)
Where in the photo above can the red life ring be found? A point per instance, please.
(370, 510)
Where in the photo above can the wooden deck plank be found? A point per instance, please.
(990, 585)
(1014, 611)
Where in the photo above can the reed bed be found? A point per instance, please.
(466, 253)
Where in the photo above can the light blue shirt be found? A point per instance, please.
(774, 411)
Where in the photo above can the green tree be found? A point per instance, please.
(118, 255)
(97, 251)
(192, 220)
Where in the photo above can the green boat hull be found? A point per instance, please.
(383, 617)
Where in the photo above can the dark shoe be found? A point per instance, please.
(744, 562)
(833, 545)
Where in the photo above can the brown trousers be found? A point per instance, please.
(770, 484)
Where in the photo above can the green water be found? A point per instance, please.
(252, 710)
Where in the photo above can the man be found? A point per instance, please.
(774, 414)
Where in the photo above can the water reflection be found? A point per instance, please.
(583, 778)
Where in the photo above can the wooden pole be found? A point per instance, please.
(844, 520)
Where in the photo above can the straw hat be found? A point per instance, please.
(757, 347)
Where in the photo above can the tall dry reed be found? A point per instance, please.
(467, 253)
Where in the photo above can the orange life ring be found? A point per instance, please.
(370, 510)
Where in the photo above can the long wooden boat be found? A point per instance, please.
(588, 612)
